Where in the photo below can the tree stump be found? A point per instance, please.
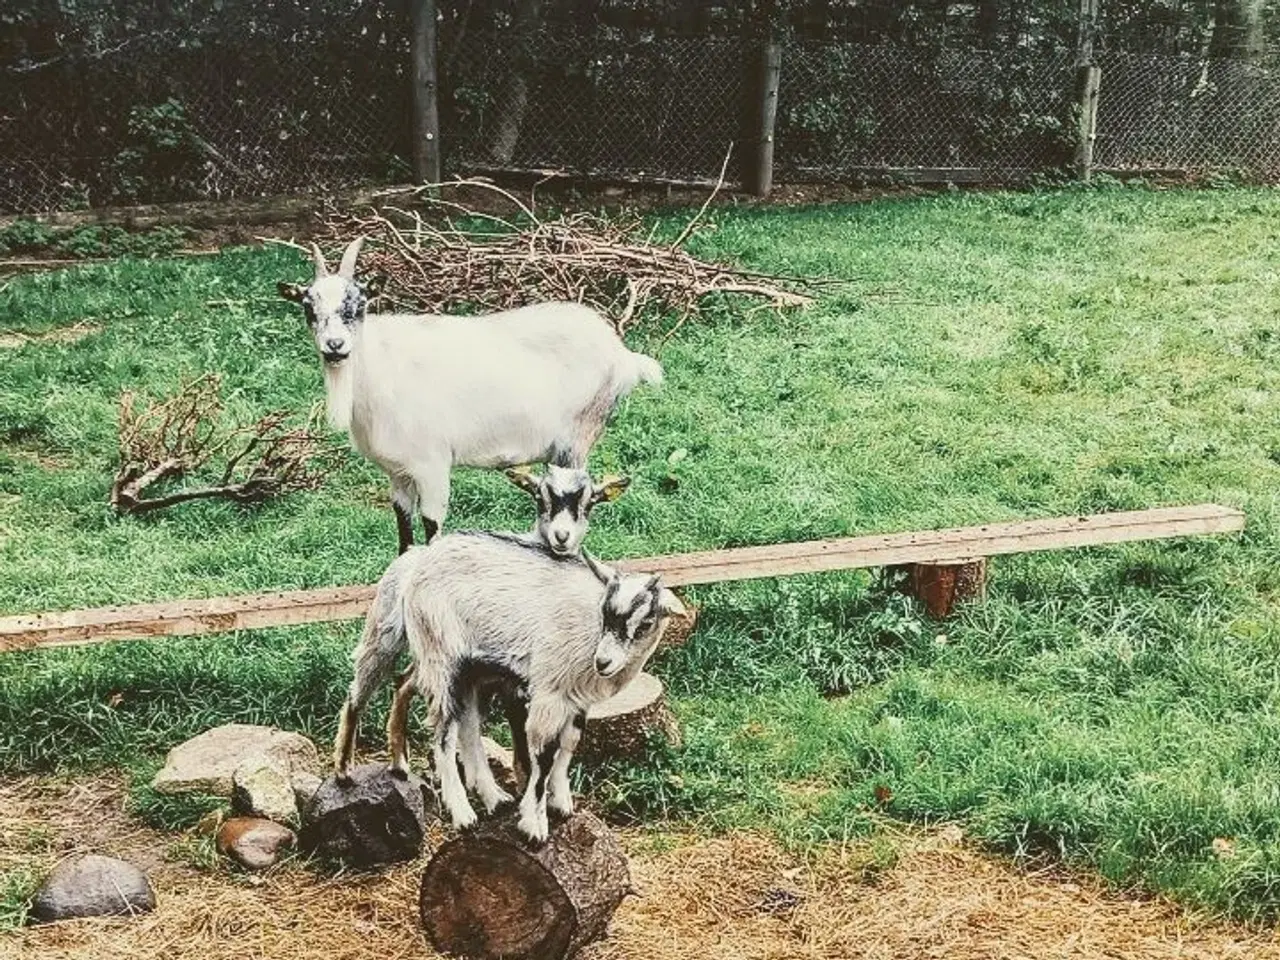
(488, 894)
(621, 726)
(940, 586)
(680, 628)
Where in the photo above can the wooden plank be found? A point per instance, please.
(934, 546)
(184, 618)
(256, 611)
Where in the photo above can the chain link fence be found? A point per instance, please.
(234, 110)
(1186, 114)
(601, 105)
(850, 110)
(214, 113)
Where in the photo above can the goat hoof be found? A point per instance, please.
(400, 773)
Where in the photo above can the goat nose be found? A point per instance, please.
(334, 344)
(562, 537)
(602, 664)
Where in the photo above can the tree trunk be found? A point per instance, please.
(988, 23)
(622, 725)
(513, 101)
(487, 894)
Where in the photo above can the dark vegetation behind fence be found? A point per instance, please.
(114, 103)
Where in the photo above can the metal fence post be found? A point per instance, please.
(426, 112)
(1088, 83)
(757, 162)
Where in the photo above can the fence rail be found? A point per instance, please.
(216, 114)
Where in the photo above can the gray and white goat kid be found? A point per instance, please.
(564, 500)
(480, 610)
(420, 394)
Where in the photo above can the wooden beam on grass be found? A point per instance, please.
(256, 611)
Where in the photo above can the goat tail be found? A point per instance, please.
(648, 370)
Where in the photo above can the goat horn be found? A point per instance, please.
(322, 269)
(601, 574)
(348, 267)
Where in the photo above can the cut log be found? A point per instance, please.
(377, 818)
(679, 629)
(489, 894)
(622, 725)
(940, 586)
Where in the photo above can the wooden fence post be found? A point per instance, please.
(426, 112)
(757, 162)
(1088, 83)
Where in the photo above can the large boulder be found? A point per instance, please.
(207, 763)
(261, 787)
(254, 843)
(377, 818)
(92, 886)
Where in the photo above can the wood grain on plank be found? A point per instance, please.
(277, 609)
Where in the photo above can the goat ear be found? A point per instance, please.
(317, 258)
(291, 291)
(374, 285)
(610, 489)
(523, 479)
(349, 256)
(603, 574)
(670, 604)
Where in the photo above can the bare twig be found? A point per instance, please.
(432, 264)
(181, 436)
(688, 228)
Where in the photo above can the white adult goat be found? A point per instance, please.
(482, 611)
(420, 394)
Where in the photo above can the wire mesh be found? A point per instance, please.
(600, 104)
(208, 114)
(1182, 113)
(848, 109)
(302, 97)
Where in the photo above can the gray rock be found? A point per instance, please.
(92, 886)
(254, 843)
(207, 763)
(305, 785)
(377, 818)
(261, 787)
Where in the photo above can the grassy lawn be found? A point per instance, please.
(1001, 356)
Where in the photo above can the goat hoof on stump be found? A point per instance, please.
(400, 773)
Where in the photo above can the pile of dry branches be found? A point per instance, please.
(431, 263)
(182, 435)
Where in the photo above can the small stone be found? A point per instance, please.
(254, 843)
(377, 818)
(207, 763)
(92, 886)
(261, 787)
(305, 785)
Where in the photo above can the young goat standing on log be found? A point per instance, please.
(483, 610)
(564, 499)
(420, 394)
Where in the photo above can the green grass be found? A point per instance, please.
(1000, 356)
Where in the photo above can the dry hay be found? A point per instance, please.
(907, 897)
(431, 263)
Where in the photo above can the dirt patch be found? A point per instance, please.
(907, 897)
(77, 331)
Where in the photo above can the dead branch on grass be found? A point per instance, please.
(432, 263)
(180, 436)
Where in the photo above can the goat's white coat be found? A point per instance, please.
(475, 597)
(419, 394)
